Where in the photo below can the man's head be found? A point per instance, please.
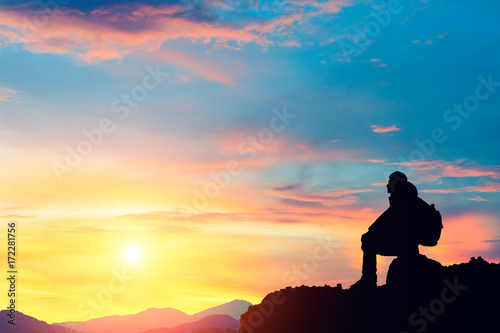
(395, 178)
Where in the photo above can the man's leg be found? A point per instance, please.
(368, 245)
(369, 272)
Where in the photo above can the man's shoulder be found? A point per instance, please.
(421, 201)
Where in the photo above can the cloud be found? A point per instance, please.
(282, 203)
(287, 187)
(8, 95)
(442, 191)
(434, 170)
(295, 194)
(301, 203)
(459, 171)
(17, 216)
(210, 70)
(331, 6)
(115, 31)
(487, 188)
(381, 129)
(93, 35)
(245, 147)
(477, 198)
(283, 210)
(376, 161)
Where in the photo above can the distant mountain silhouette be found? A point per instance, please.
(213, 321)
(27, 324)
(420, 296)
(216, 330)
(134, 323)
(154, 318)
(234, 309)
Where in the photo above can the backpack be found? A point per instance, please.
(429, 224)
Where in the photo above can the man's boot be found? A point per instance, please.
(367, 282)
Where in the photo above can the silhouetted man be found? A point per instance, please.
(393, 233)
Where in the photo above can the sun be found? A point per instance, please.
(133, 253)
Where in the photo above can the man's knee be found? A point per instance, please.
(366, 241)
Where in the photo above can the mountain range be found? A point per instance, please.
(170, 320)
(222, 322)
(27, 324)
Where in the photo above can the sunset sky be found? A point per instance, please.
(241, 146)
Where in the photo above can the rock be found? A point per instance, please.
(414, 272)
(420, 296)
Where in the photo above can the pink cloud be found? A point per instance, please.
(442, 191)
(210, 70)
(332, 6)
(433, 170)
(295, 194)
(381, 129)
(279, 150)
(376, 161)
(275, 25)
(459, 171)
(8, 95)
(112, 34)
(296, 16)
(115, 32)
(344, 218)
(488, 187)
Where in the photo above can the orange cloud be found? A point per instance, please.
(477, 198)
(381, 129)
